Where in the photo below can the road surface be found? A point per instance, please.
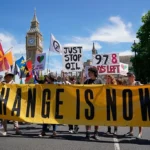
(29, 140)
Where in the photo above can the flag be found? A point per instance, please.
(28, 67)
(36, 76)
(9, 57)
(15, 69)
(1, 50)
(55, 46)
(4, 65)
(21, 63)
(29, 76)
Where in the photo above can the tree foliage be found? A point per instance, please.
(141, 60)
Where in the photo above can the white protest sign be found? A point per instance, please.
(86, 71)
(124, 69)
(72, 59)
(40, 60)
(106, 59)
(107, 63)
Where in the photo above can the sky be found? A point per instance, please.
(111, 24)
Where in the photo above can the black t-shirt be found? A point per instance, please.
(91, 81)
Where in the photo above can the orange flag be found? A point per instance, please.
(9, 57)
(3, 61)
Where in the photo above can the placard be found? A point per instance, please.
(124, 69)
(86, 72)
(107, 63)
(40, 60)
(106, 59)
(72, 59)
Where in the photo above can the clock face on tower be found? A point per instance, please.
(31, 41)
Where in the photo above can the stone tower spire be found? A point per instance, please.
(34, 24)
(94, 51)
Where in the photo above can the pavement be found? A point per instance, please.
(29, 139)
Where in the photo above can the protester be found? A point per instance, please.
(120, 81)
(93, 74)
(1, 79)
(70, 80)
(111, 81)
(41, 81)
(8, 79)
(132, 82)
(49, 79)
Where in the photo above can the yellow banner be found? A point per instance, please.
(76, 104)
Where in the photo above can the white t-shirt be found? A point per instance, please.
(11, 82)
(135, 83)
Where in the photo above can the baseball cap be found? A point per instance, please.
(51, 76)
(130, 74)
(9, 73)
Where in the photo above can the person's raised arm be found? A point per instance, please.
(82, 77)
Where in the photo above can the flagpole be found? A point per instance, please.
(28, 59)
(48, 59)
(8, 50)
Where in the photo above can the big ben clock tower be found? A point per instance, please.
(34, 40)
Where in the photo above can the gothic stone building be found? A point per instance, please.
(34, 40)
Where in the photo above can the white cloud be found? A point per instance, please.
(9, 41)
(117, 31)
(125, 53)
(86, 43)
(144, 13)
(129, 25)
(54, 65)
(50, 53)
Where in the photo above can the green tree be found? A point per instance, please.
(141, 60)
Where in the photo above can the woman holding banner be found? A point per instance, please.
(110, 80)
(1, 79)
(92, 73)
(70, 80)
(49, 79)
(132, 82)
(8, 79)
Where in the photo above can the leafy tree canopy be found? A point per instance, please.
(141, 60)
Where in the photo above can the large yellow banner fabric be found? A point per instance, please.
(76, 104)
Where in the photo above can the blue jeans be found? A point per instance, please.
(44, 127)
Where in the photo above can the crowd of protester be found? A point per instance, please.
(92, 79)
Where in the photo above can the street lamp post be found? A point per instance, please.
(135, 64)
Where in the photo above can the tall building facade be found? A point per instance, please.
(34, 40)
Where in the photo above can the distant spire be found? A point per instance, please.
(34, 24)
(94, 51)
(34, 17)
(93, 46)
